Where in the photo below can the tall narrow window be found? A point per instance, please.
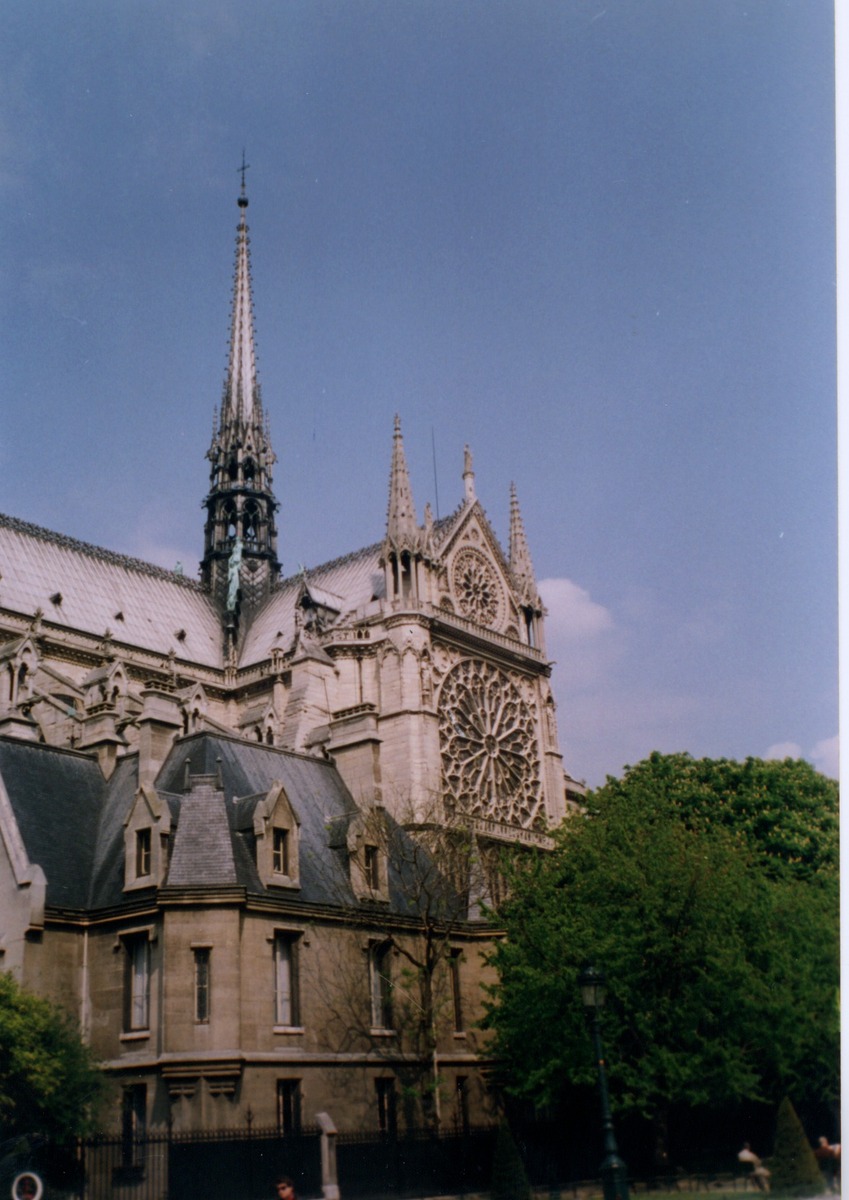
(203, 956)
(371, 867)
(279, 849)
(142, 852)
(380, 984)
(387, 1113)
(456, 991)
(137, 983)
(133, 1124)
(462, 1092)
(289, 1106)
(286, 979)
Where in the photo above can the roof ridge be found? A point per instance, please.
(99, 552)
(374, 548)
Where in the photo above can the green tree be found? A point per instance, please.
(49, 1083)
(722, 970)
(795, 1171)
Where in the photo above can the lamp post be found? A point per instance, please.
(614, 1174)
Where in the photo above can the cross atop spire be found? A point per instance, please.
(401, 527)
(243, 199)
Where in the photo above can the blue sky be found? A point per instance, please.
(595, 241)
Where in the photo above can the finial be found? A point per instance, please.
(243, 199)
(468, 475)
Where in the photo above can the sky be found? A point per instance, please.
(592, 240)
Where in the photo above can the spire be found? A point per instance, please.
(241, 391)
(402, 531)
(520, 555)
(240, 562)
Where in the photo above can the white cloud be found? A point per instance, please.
(571, 611)
(826, 756)
(782, 750)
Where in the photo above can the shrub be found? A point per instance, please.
(795, 1170)
(509, 1180)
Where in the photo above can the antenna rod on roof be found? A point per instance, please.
(435, 480)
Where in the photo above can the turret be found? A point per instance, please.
(240, 564)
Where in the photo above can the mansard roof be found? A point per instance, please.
(86, 588)
(57, 800)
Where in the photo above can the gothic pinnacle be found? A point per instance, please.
(401, 526)
(520, 555)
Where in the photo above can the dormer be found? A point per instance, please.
(367, 857)
(146, 833)
(277, 832)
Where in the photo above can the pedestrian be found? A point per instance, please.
(285, 1188)
(828, 1157)
(759, 1172)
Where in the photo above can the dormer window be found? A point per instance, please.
(143, 844)
(276, 829)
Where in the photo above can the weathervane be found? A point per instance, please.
(244, 167)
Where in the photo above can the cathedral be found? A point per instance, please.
(222, 799)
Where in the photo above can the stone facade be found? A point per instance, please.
(247, 824)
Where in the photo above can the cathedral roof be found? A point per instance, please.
(86, 588)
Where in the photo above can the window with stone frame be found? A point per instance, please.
(203, 983)
(136, 982)
(380, 984)
(288, 1106)
(143, 851)
(286, 989)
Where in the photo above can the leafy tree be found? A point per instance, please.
(49, 1083)
(786, 812)
(721, 954)
(795, 1171)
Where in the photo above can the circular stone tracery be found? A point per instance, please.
(476, 587)
(490, 764)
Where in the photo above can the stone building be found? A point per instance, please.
(223, 800)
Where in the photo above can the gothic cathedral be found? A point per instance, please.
(215, 794)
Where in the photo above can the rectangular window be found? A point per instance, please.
(286, 979)
(380, 984)
(142, 852)
(136, 982)
(462, 1092)
(203, 956)
(387, 1112)
(133, 1124)
(280, 852)
(456, 992)
(289, 1106)
(371, 867)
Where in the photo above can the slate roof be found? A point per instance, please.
(72, 824)
(57, 798)
(97, 585)
(352, 583)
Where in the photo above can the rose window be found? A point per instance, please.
(490, 763)
(476, 587)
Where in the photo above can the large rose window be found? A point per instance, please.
(476, 587)
(490, 763)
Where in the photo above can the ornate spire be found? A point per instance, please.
(240, 504)
(520, 555)
(402, 532)
(241, 390)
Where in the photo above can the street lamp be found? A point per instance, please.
(614, 1174)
